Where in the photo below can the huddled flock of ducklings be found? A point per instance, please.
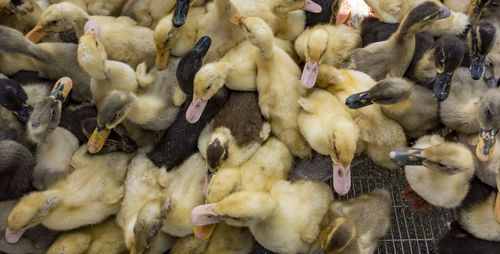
(175, 124)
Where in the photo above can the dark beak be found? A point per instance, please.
(442, 85)
(445, 12)
(358, 100)
(181, 12)
(203, 45)
(23, 115)
(407, 156)
(477, 66)
(486, 145)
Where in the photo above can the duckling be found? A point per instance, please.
(272, 63)
(481, 39)
(330, 131)
(152, 108)
(117, 141)
(356, 225)
(36, 240)
(436, 170)
(286, 220)
(412, 106)
(181, 138)
(105, 7)
(237, 131)
(394, 55)
(107, 75)
(325, 43)
(378, 134)
(176, 41)
(122, 38)
(149, 12)
(14, 98)
(106, 237)
(21, 15)
(489, 122)
(16, 170)
(459, 241)
(87, 196)
(395, 11)
(477, 213)
(50, 60)
(460, 110)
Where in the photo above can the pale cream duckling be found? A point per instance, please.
(105, 7)
(379, 134)
(286, 220)
(330, 130)
(325, 43)
(356, 225)
(278, 84)
(87, 196)
(412, 106)
(436, 170)
(107, 75)
(392, 57)
(106, 237)
(122, 38)
(390, 11)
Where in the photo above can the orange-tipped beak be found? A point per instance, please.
(204, 232)
(62, 88)
(497, 209)
(97, 140)
(162, 58)
(36, 34)
(236, 19)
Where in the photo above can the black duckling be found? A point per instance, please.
(181, 138)
(459, 241)
(237, 132)
(481, 38)
(14, 98)
(16, 170)
(323, 17)
(412, 106)
(393, 56)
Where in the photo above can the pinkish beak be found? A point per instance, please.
(195, 110)
(341, 179)
(311, 6)
(310, 74)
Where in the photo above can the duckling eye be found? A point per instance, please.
(208, 87)
(53, 22)
(441, 165)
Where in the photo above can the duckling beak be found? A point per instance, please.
(486, 144)
(359, 100)
(236, 19)
(162, 58)
(311, 6)
(407, 156)
(24, 114)
(195, 110)
(341, 178)
(310, 74)
(204, 232)
(13, 236)
(204, 215)
(61, 89)
(181, 12)
(442, 85)
(445, 12)
(477, 66)
(36, 34)
(98, 138)
(203, 45)
(497, 209)
(92, 27)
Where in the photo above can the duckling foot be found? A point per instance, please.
(416, 201)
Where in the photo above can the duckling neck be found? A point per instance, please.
(79, 23)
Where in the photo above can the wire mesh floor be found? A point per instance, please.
(410, 232)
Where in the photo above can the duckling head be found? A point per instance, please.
(339, 234)
(448, 55)
(481, 38)
(257, 31)
(286, 6)
(446, 158)
(57, 18)
(317, 44)
(492, 70)
(29, 212)
(46, 115)
(112, 111)
(165, 36)
(181, 12)
(421, 16)
(207, 81)
(342, 153)
(14, 98)
(217, 149)
(92, 56)
(386, 92)
(489, 121)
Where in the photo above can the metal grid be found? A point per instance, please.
(410, 232)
